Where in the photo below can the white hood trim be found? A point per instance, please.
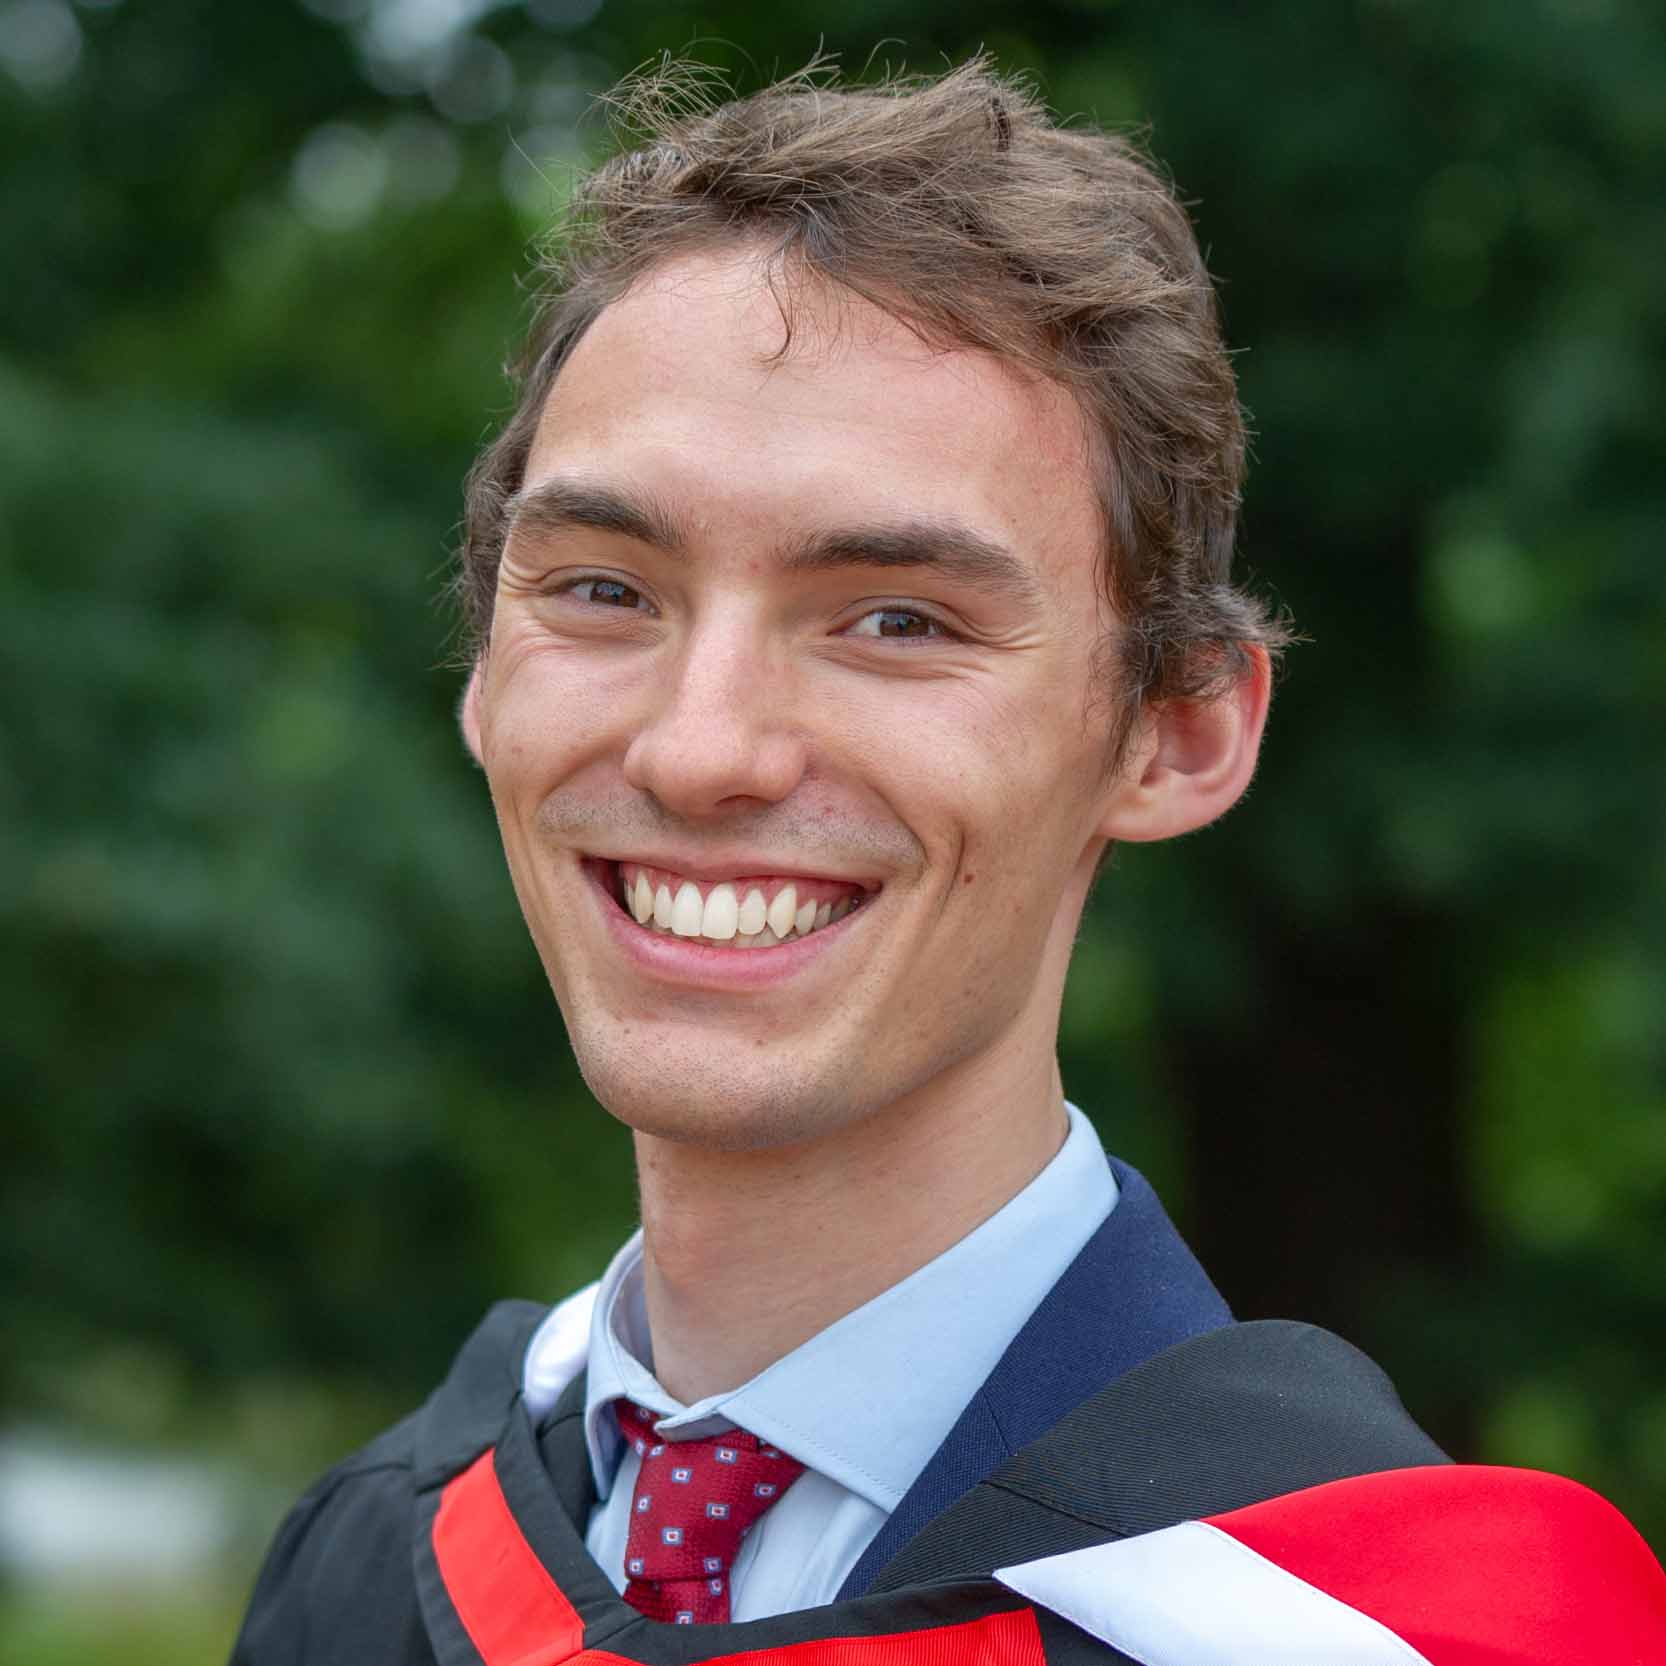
(1193, 1595)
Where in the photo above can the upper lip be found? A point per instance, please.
(714, 869)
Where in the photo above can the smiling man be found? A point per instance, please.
(853, 574)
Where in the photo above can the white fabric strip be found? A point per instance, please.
(1194, 1596)
(558, 1350)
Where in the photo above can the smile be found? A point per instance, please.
(743, 913)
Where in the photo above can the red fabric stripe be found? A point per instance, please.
(1474, 1565)
(516, 1615)
(512, 1610)
(1010, 1639)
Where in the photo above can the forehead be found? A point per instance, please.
(746, 395)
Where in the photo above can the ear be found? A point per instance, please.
(468, 711)
(1190, 760)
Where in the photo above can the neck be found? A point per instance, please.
(749, 1254)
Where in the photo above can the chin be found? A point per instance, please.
(740, 1099)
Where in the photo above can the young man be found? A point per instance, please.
(853, 574)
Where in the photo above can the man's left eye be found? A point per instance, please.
(897, 622)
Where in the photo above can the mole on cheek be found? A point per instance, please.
(967, 879)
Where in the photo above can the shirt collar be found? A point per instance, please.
(868, 1400)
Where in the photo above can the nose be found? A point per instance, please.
(720, 730)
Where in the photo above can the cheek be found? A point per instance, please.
(542, 710)
(1017, 769)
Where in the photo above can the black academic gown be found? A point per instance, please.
(1130, 1401)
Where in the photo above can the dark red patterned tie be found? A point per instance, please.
(694, 1501)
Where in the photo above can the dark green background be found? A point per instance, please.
(286, 1100)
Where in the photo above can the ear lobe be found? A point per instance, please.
(1192, 760)
(468, 712)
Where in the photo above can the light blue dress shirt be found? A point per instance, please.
(862, 1404)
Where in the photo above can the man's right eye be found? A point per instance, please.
(606, 592)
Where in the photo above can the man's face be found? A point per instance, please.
(822, 620)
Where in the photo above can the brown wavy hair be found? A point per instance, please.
(960, 206)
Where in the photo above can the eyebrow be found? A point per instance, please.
(946, 547)
(560, 504)
(940, 545)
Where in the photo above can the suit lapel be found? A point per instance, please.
(1134, 1290)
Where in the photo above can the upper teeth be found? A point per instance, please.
(668, 902)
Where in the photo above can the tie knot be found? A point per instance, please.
(694, 1501)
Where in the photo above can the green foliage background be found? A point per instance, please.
(285, 1098)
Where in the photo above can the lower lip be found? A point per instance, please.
(696, 965)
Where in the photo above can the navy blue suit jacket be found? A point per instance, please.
(1134, 1290)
